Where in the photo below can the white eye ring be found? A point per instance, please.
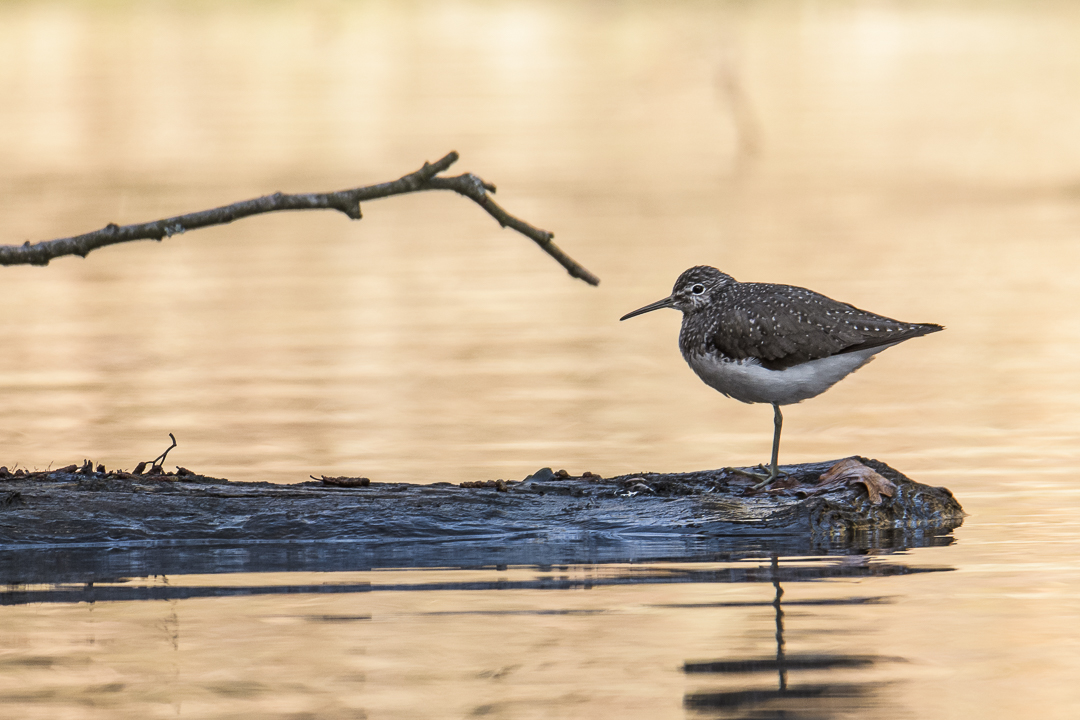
(698, 289)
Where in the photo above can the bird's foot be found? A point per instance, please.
(766, 476)
(767, 481)
(747, 473)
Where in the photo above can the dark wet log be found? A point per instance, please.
(802, 511)
(77, 525)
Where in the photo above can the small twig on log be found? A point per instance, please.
(345, 201)
(156, 463)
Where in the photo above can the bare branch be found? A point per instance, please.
(345, 201)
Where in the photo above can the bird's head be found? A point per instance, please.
(693, 291)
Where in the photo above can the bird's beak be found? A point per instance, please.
(665, 303)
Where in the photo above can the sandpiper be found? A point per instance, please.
(777, 344)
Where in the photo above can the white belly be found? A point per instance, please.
(748, 381)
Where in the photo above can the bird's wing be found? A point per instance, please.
(783, 326)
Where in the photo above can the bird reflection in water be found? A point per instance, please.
(806, 701)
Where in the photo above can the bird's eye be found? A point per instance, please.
(698, 289)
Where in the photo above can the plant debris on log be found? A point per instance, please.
(342, 481)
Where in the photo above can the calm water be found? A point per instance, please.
(920, 160)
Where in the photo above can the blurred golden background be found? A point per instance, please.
(919, 160)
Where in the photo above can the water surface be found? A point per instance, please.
(918, 160)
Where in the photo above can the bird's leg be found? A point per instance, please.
(767, 475)
(778, 423)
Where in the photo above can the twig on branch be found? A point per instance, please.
(345, 201)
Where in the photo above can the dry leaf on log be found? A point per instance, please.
(851, 471)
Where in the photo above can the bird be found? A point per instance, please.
(776, 344)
